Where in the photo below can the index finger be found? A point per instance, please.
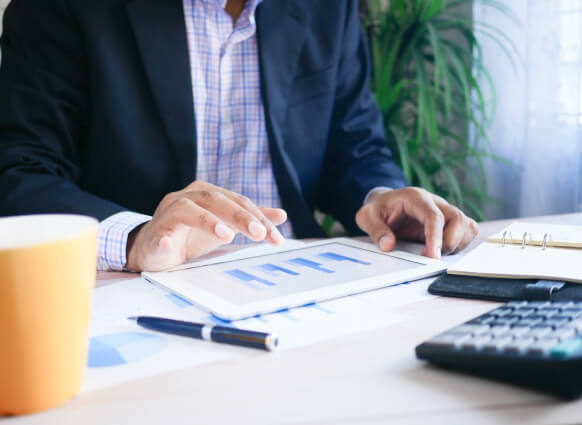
(273, 235)
(425, 210)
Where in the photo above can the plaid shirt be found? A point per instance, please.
(232, 144)
(233, 150)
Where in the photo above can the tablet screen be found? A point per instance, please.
(264, 277)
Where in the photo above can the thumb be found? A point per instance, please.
(387, 241)
(165, 244)
(371, 222)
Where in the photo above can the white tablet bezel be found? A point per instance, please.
(228, 311)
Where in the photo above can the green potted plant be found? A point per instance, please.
(428, 81)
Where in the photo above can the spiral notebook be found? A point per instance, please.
(527, 251)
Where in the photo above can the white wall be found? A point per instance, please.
(3, 4)
(538, 120)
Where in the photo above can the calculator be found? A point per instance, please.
(536, 344)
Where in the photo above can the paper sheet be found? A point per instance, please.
(513, 261)
(558, 235)
(121, 351)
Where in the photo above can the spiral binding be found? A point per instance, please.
(525, 238)
(504, 239)
(547, 238)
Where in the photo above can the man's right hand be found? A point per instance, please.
(195, 221)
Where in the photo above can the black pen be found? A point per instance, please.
(209, 332)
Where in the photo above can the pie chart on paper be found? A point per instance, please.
(122, 348)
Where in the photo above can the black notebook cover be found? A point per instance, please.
(495, 289)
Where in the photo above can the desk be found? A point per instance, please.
(369, 378)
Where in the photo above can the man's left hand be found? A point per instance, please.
(415, 214)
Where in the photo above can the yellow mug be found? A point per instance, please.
(47, 275)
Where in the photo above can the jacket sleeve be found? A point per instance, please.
(44, 113)
(358, 158)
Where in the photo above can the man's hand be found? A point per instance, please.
(415, 214)
(197, 220)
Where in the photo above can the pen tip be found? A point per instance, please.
(272, 342)
(132, 318)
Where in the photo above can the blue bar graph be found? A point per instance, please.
(274, 269)
(247, 277)
(178, 301)
(311, 264)
(319, 307)
(215, 320)
(286, 313)
(260, 318)
(338, 257)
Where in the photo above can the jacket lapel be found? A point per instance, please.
(281, 27)
(281, 30)
(160, 33)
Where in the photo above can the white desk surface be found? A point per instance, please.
(369, 378)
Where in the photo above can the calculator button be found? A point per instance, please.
(567, 348)
(499, 329)
(450, 340)
(518, 331)
(575, 324)
(540, 331)
(482, 320)
(507, 320)
(525, 311)
(572, 313)
(536, 317)
(476, 343)
(548, 311)
(530, 321)
(562, 304)
(516, 304)
(538, 304)
(561, 317)
(557, 321)
(542, 347)
(501, 311)
(519, 345)
(497, 344)
(470, 329)
(563, 334)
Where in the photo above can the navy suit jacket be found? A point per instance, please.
(97, 115)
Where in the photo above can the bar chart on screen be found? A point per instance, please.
(301, 267)
(286, 273)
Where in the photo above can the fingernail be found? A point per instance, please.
(257, 229)
(165, 244)
(438, 252)
(384, 242)
(277, 236)
(222, 231)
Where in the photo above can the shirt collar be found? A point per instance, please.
(222, 3)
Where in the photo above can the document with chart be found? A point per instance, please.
(272, 281)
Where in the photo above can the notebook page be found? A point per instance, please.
(559, 234)
(513, 261)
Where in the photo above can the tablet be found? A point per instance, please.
(244, 287)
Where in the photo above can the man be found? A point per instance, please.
(232, 113)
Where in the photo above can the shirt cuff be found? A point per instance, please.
(113, 233)
(389, 189)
